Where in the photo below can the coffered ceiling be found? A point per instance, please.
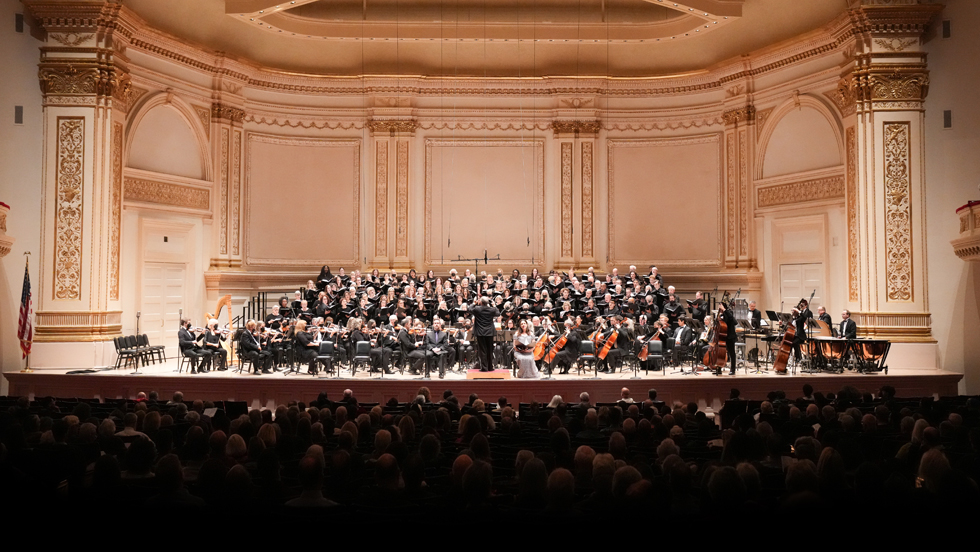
(487, 37)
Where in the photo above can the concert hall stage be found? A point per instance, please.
(269, 390)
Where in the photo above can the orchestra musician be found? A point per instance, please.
(436, 348)
(412, 343)
(822, 315)
(190, 348)
(802, 313)
(730, 338)
(755, 316)
(252, 349)
(305, 347)
(213, 338)
(848, 329)
(680, 343)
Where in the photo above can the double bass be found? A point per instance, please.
(716, 357)
(786, 345)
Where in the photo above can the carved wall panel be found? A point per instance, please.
(853, 251)
(898, 212)
(401, 200)
(236, 187)
(801, 192)
(205, 116)
(68, 207)
(381, 199)
(587, 193)
(165, 193)
(731, 184)
(223, 232)
(314, 185)
(566, 199)
(115, 211)
(743, 195)
(484, 194)
(640, 170)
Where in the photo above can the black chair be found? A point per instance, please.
(586, 355)
(158, 351)
(124, 353)
(325, 355)
(243, 360)
(362, 355)
(655, 352)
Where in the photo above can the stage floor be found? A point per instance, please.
(268, 390)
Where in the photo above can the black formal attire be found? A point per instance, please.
(190, 349)
(436, 351)
(219, 356)
(261, 359)
(800, 338)
(569, 353)
(683, 336)
(697, 310)
(826, 320)
(305, 351)
(410, 352)
(848, 329)
(730, 339)
(755, 316)
(483, 317)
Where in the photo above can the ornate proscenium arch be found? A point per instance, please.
(595, 20)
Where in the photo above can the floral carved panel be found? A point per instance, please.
(898, 212)
(68, 208)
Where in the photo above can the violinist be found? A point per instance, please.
(189, 347)
(466, 341)
(411, 341)
(701, 343)
(380, 357)
(213, 339)
(306, 347)
(253, 350)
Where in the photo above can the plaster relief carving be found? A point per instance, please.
(205, 116)
(70, 39)
(731, 183)
(68, 80)
(223, 163)
(760, 120)
(236, 192)
(743, 178)
(383, 127)
(735, 90)
(381, 199)
(668, 125)
(165, 193)
(68, 207)
(575, 127)
(566, 199)
(484, 126)
(898, 86)
(896, 44)
(227, 113)
(401, 200)
(392, 101)
(801, 192)
(853, 252)
(845, 96)
(898, 212)
(587, 181)
(576, 102)
(115, 213)
(286, 122)
(734, 116)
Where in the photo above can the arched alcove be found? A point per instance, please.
(801, 135)
(165, 139)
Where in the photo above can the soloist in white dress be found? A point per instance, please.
(525, 361)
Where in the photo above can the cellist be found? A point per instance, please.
(728, 318)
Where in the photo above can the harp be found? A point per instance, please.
(227, 344)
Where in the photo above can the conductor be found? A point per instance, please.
(483, 316)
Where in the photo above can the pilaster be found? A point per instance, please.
(576, 143)
(392, 128)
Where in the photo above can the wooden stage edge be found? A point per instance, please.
(266, 391)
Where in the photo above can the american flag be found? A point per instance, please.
(25, 330)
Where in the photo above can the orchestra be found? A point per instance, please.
(470, 320)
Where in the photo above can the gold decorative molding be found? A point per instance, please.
(6, 242)
(401, 200)
(60, 326)
(899, 327)
(70, 39)
(166, 193)
(853, 225)
(224, 112)
(223, 162)
(845, 96)
(566, 199)
(731, 147)
(392, 127)
(68, 79)
(381, 199)
(743, 195)
(898, 86)
(236, 191)
(896, 44)
(738, 115)
(760, 120)
(575, 127)
(482, 125)
(205, 115)
(273, 120)
(898, 211)
(633, 126)
(69, 181)
(587, 193)
(115, 211)
(816, 189)
(967, 245)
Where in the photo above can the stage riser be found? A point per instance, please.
(268, 391)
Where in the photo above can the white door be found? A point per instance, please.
(798, 281)
(163, 298)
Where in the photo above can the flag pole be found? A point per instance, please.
(27, 263)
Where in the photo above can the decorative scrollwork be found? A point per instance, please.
(68, 207)
(387, 127)
(733, 116)
(898, 212)
(575, 127)
(566, 199)
(227, 113)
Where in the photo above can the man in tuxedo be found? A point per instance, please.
(822, 315)
(252, 349)
(848, 329)
(483, 316)
(189, 347)
(755, 316)
(411, 351)
(436, 348)
(683, 336)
